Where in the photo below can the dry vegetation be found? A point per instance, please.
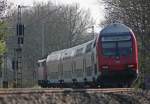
(136, 97)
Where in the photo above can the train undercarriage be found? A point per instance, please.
(107, 79)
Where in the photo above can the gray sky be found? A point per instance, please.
(96, 10)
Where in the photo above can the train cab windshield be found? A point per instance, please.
(116, 46)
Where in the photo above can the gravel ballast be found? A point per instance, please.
(135, 97)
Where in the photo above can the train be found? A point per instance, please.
(109, 60)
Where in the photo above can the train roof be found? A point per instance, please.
(82, 47)
(67, 53)
(55, 55)
(42, 60)
(115, 28)
(70, 52)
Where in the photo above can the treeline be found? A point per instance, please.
(3, 30)
(48, 27)
(135, 14)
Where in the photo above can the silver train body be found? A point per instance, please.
(76, 65)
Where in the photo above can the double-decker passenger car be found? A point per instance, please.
(110, 59)
(42, 73)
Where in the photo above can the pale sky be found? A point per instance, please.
(96, 10)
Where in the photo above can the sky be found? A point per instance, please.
(95, 8)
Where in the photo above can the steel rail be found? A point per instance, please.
(62, 90)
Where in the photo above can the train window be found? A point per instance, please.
(117, 48)
(88, 48)
(116, 38)
(125, 48)
(109, 48)
(67, 55)
(54, 57)
(109, 45)
(94, 43)
(53, 75)
(79, 51)
(78, 72)
(109, 52)
(124, 44)
(67, 74)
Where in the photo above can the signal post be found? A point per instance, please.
(18, 50)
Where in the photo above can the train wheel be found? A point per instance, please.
(74, 83)
(94, 83)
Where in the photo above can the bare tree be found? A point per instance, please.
(51, 28)
(135, 14)
(76, 20)
(3, 5)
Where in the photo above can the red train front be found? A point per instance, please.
(117, 55)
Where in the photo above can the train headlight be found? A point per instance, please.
(131, 66)
(105, 67)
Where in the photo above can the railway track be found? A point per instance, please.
(62, 90)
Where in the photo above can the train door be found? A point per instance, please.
(53, 67)
(67, 66)
(60, 71)
(89, 61)
(78, 71)
(42, 71)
